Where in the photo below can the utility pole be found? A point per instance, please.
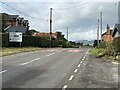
(67, 33)
(98, 34)
(50, 27)
(101, 25)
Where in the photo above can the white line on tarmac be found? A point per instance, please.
(81, 62)
(37, 59)
(64, 87)
(3, 71)
(50, 54)
(24, 63)
(79, 65)
(76, 70)
(71, 77)
(83, 59)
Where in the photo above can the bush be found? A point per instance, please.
(116, 44)
(97, 52)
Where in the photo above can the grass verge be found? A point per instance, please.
(15, 50)
(100, 53)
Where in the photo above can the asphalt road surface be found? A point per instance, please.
(58, 68)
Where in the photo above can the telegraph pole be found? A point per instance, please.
(98, 34)
(50, 27)
(101, 25)
(67, 33)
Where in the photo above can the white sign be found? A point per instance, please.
(15, 37)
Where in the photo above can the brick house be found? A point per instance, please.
(43, 34)
(107, 36)
(13, 23)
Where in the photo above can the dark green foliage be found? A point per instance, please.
(4, 40)
(116, 44)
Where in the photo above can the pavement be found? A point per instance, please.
(60, 68)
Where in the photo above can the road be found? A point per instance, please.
(57, 68)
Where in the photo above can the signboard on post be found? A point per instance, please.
(15, 36)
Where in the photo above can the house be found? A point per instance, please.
(43, 34)
(116, 32)
(107, 36)
(14, 23)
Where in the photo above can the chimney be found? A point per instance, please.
(108, 29)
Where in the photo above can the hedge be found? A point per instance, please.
(116, 43)
(28, 41)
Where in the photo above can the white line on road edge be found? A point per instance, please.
(79, 65)
(76, 70)
(3, 71)
(65, 86)
(71, 77)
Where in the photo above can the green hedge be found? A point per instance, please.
(5, 41)
(29, 41)
(116, 43)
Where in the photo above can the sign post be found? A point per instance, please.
(15, 37)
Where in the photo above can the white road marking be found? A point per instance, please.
(3, 71)
(50, 54)
(71, 77)
(81, 62)
(24, 63)
(65, 86)
(76, 70)
(114, 62)
(79, 65)
(30, 61)
(83, 59)
(37, 58)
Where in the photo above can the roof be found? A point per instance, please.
(111, 31)
(26, 21)
(13, 16)
(9, 17)
(43, 34)
(18, 29)
(116, 28)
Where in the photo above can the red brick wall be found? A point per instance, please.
(107, 38)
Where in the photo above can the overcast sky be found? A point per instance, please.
(80, 17)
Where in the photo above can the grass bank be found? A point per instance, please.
(101, 53)
(15, 50)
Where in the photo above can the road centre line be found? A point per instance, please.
(64, 87)
(71, 77)
(50, 54)
(76, 70)
(3, 71)
(30, 61)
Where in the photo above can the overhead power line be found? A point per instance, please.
(22, 12)
(74, 6)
